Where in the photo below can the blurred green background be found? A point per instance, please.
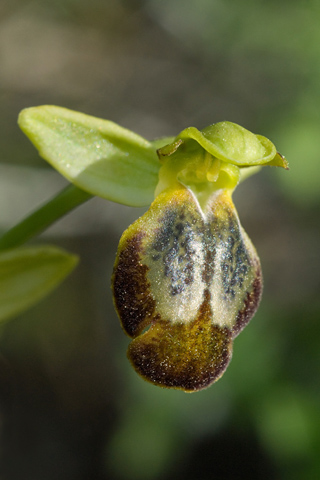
(72, 408)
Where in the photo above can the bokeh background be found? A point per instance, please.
(72, 408)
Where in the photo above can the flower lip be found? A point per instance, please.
(184, 287)
(230, 143)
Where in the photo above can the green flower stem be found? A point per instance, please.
(41, 219)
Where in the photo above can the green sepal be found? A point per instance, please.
(230, 143)
(96, 155)
(27, 274)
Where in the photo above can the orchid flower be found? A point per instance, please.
(187, 278)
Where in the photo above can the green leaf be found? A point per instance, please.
(27, 274)
(96, 155)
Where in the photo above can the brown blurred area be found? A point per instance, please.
(71, 406)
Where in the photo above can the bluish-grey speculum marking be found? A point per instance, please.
(235, 260)
(174, 239)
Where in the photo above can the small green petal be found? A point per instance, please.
(279, 161)
(161, 142)
(28, 274)
(96, 155)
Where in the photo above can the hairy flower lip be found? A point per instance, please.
(185, 285)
